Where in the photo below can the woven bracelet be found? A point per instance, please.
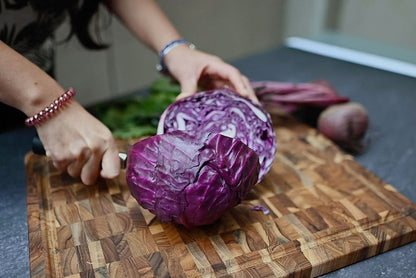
(51, 109)
(161, 67)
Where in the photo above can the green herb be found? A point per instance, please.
(138, 116)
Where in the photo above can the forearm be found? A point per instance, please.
(146, 20)
(190, 68)
(23, 85)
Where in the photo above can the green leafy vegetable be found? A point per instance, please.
(138, 116)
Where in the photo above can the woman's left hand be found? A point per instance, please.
(195, 69)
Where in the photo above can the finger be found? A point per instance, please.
(74, 168)
(238, 82)
(242, 85)
(61, 161)
(234, 77)
(91, 169)
(110, 164)
(188, 88)
(216, 82)
(251, 94)
(60, 166)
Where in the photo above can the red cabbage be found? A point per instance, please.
(223, 111)
(188, 180)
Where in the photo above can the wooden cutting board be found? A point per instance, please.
(326, 211)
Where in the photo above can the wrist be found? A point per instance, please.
(37, 95)
(161, 67)
(51, 109)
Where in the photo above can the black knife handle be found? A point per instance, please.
(37, 146)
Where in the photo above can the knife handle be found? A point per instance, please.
(37, 146)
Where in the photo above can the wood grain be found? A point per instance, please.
(326, 211)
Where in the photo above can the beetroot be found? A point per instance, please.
(345, 124)
(317, 104)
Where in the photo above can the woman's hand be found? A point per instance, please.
(80, 144)
(75, 141)
(193, 69)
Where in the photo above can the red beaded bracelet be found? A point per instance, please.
(48, 111)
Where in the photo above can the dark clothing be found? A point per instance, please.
(30, 32)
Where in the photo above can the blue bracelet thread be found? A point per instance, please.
(161, 67)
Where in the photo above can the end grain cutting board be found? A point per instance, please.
(326, 212)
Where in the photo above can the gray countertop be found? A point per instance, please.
(389, 98)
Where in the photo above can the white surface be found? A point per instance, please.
(351, 55)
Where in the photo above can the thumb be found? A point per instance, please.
(188, 88)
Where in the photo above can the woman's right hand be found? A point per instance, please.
(80, 144)
(75, 141)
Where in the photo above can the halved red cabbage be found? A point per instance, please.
(223, 111)
(190, 181)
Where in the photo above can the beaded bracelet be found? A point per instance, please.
(50, 110)
(161, 67)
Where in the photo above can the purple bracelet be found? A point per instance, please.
(50, 110)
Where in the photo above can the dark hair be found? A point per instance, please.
(84, 17)
(81, 16)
